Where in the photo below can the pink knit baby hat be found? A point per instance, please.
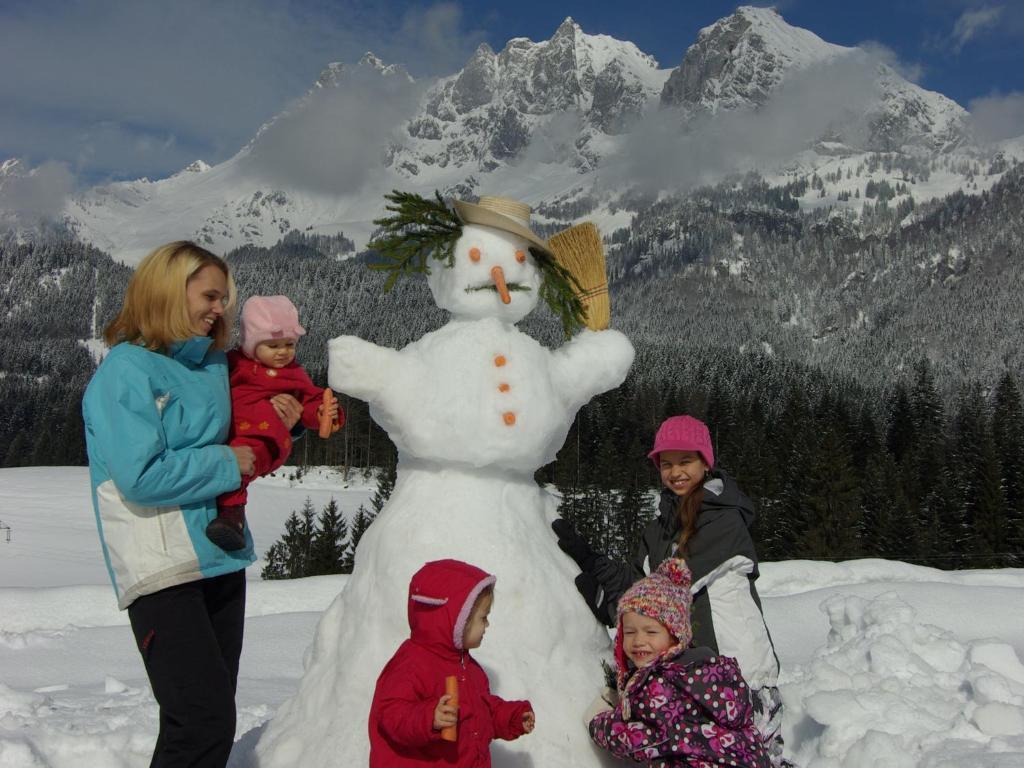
(663, 596)
(683, 433)
(268, 317)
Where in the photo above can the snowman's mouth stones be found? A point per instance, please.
(492, 287)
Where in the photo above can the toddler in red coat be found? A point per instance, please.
(449, 602)
(262, 367)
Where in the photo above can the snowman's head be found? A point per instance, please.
(487, 262)
(493, 275)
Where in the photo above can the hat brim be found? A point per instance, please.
(471, 213)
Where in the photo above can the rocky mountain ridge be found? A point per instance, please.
(542, 121)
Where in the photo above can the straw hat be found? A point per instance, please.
(501, 213)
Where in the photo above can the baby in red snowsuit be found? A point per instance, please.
(448, 606)
(262, 367)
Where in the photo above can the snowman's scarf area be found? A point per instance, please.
(421, 229)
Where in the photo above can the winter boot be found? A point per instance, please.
(227, 529)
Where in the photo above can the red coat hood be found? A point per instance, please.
(441, 597)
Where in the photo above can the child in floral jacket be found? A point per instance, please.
(678, 706)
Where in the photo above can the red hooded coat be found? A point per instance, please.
(441, 597)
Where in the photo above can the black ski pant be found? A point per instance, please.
(190, 638)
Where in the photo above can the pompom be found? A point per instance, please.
(675, 570)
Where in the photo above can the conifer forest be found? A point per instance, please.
(861, 377)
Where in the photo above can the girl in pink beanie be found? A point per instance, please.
(705, 518)
(262, 367)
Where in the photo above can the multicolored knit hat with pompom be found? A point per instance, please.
(663, 596)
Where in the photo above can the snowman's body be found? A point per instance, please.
(474, 408)
(481, 393)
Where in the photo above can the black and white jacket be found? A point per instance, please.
(726, 612)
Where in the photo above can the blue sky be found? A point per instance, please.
(123, 88)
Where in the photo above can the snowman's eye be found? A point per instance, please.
(474, 254)
(520, 256)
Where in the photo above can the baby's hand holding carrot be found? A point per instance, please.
(327, 412)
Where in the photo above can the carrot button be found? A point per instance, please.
(503, 387)
(474, 254)
(520, 257)
(500, 360)
(509, 417)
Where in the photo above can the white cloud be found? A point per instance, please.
(188, 79)
(912, 71)
(829, 98)
(973, 22)
(331, 140)
(38, 194)
(998, 117)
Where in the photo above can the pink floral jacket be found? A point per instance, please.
(691, 709)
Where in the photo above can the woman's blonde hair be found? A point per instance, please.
(155, 309)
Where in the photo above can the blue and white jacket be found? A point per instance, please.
(155, 427)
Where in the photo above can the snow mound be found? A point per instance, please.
(886, 690)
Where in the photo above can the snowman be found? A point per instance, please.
(474, 408)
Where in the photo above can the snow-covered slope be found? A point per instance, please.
(884, 663)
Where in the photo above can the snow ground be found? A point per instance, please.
(885, 664)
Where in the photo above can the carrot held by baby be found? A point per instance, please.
(329, 414)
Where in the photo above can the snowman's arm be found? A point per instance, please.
(363, 370)
(591, 363)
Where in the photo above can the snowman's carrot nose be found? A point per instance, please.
(498, 276)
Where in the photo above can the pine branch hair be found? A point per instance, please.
(420, 229)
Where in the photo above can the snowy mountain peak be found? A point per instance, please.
(197, 166)
(371, 61)
(743, 60)
(490, 111)
(331, 75)
(739, 60)
(12, 167)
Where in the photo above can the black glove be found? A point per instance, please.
(574, 545)
(593, 593)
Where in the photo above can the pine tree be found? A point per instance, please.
(629, 516)
(385, 485)
(1008, 434)
(275, 566)
(900, 436)
(832, 502)
(329, 545)
(884, 514)
(298, 541)
(937, 522)
(984, 528)
(360, 523)
(18, 451)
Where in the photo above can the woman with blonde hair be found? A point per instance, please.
(156, 419)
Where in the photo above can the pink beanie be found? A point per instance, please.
(683, 433)
(268, 317)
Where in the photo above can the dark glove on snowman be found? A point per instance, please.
(574, 545)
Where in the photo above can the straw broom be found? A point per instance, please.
(579, 249)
